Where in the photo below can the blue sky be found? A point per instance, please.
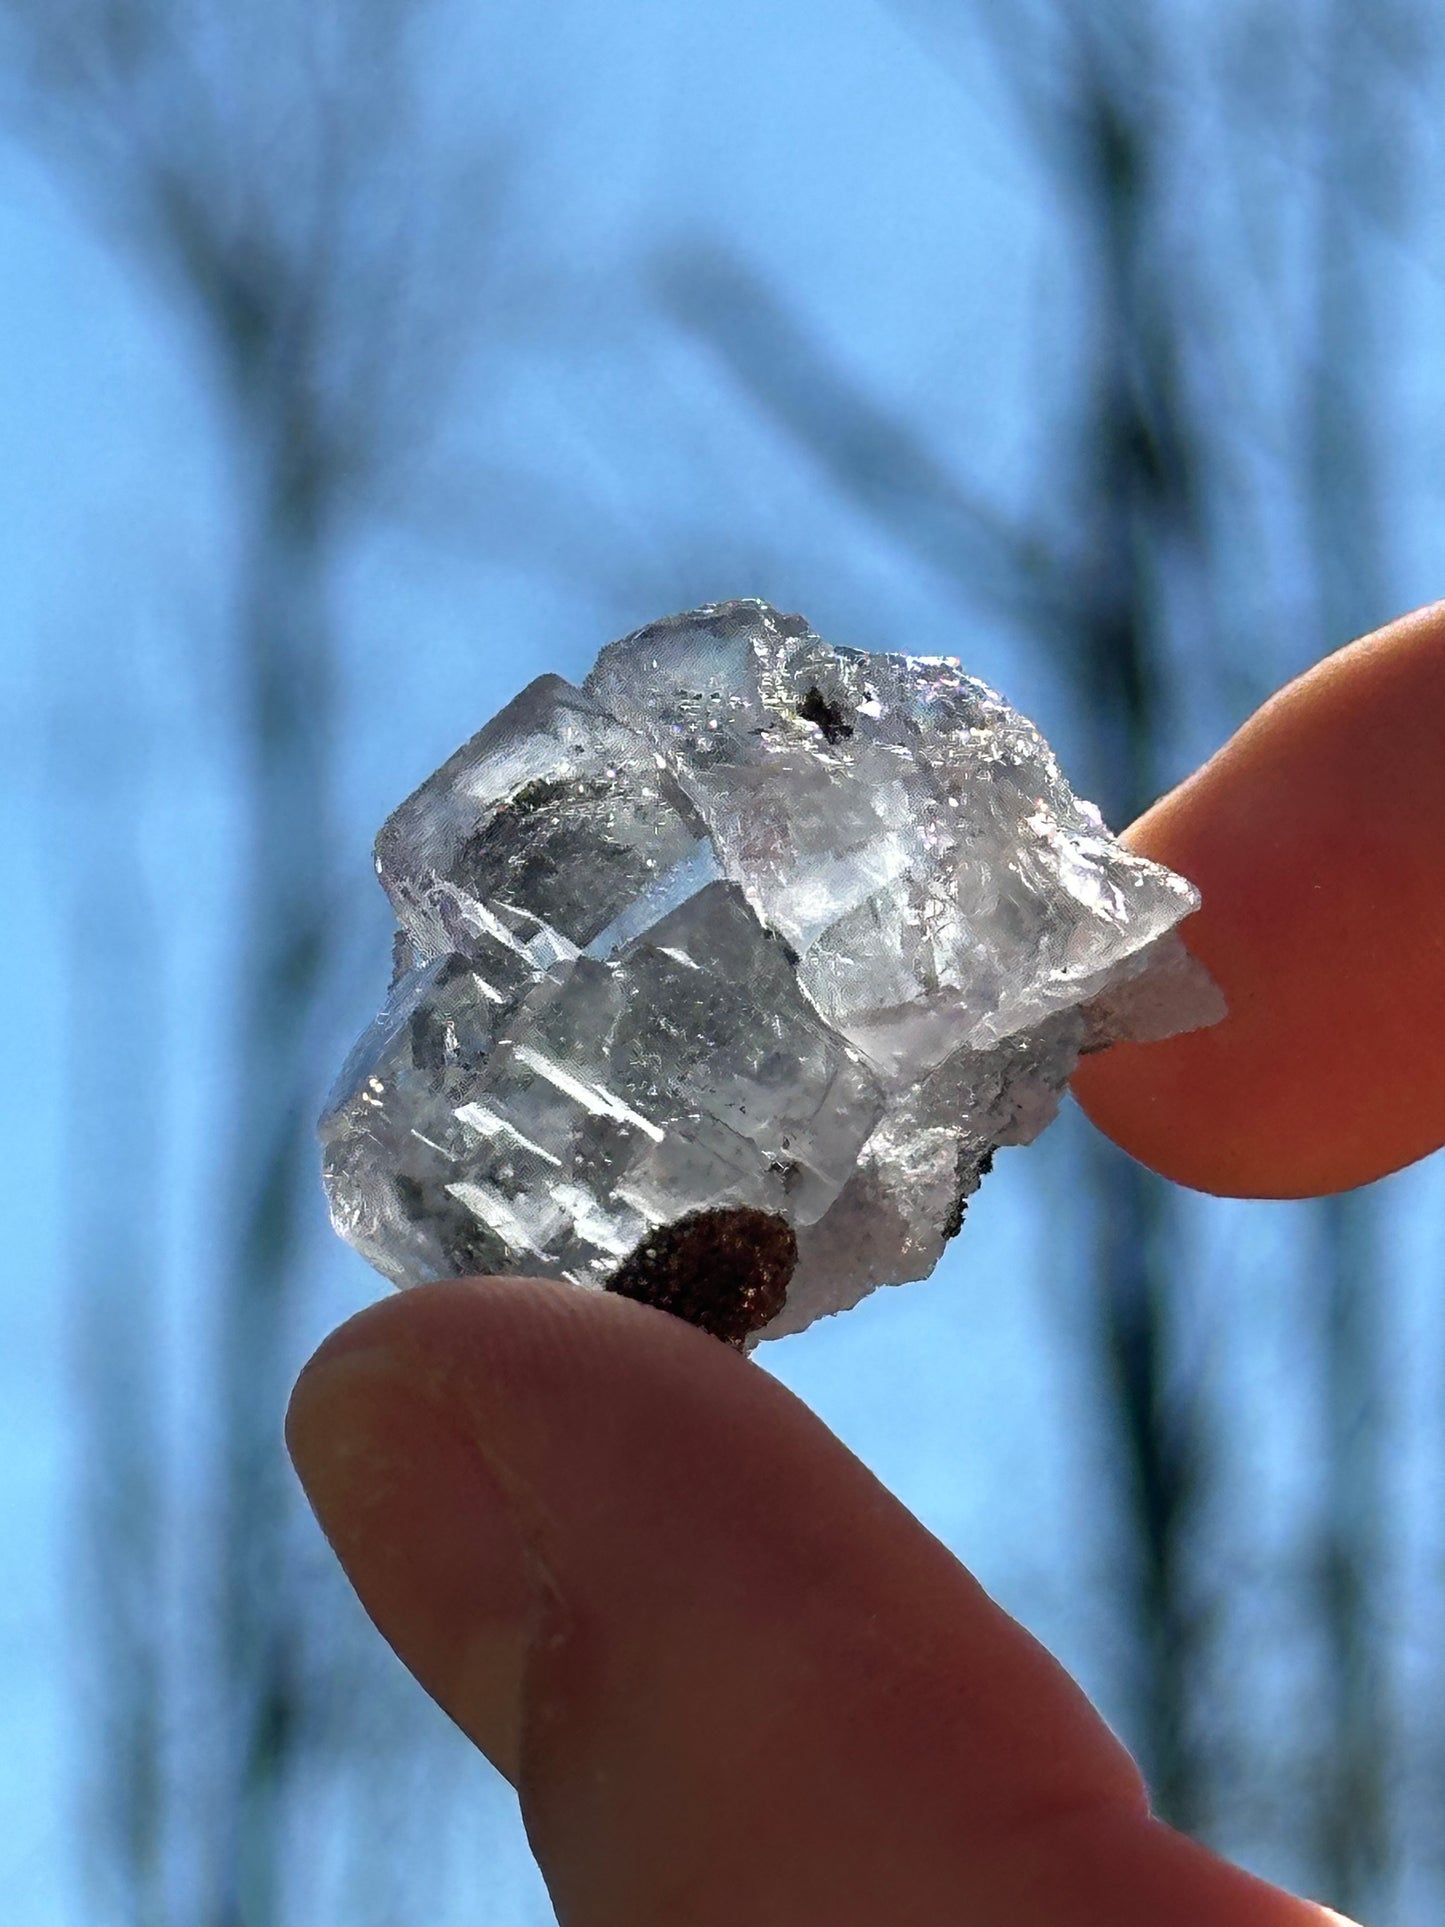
(900, 211)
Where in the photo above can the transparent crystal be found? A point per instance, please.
(747, 932)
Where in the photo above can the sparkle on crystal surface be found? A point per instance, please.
(745, 922)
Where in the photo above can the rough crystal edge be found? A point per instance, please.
(1165, 991)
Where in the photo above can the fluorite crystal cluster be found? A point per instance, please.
(721, 978)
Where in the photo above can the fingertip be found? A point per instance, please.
(1315, 837)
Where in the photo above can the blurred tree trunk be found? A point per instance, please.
(1361, 153)
(1138, 461)
(285, 946)
(1357, 1760)
(114, 1076)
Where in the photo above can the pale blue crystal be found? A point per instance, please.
(746, 922)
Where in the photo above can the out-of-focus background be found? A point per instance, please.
(363, 359)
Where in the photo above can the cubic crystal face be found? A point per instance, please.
(744, 957)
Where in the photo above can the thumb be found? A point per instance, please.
(731, 1678)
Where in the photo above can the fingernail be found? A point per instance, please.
(416, 1517)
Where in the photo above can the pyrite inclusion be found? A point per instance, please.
(720, 979)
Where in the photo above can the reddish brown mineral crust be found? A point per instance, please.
(725, 1270)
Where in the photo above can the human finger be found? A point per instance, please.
(732, 1679)
(1317, 839)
